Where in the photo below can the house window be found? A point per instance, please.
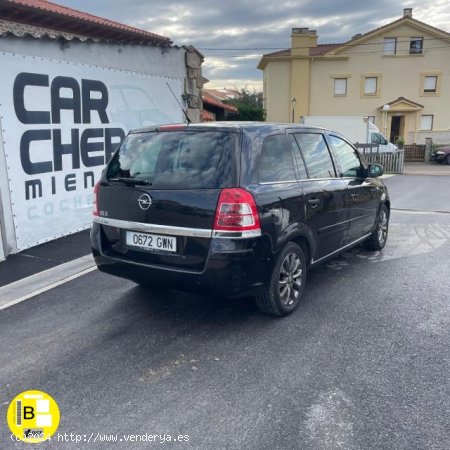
(370, 85)
(430, 83)
(416, 46)
(426, 122)
(390, 46)
(340, 86)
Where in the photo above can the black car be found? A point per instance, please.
(441, 154)
(235, 209)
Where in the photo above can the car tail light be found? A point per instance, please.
(237, 211)
(173, 127)
(95, 200)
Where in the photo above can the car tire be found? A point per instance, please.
(377, 239)
(286, 282)
(447, 159)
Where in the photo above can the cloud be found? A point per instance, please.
(249, 28)
(214, 65)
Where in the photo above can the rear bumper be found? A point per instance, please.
(234, 272)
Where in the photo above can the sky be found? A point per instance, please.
(234, 34)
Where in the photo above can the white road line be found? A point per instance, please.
(418, 211)
(38, 283)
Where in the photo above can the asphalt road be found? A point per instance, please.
(420, 192)
(362, 364)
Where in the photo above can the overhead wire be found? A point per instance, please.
(402, 52)
(346, 44)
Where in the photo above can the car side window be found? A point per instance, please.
(377, 138)
(316, 155)
(347, 158)
(298, 157)
(276, 162)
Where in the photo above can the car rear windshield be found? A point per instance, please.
(177, 159)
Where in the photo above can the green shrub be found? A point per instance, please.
(400, 142)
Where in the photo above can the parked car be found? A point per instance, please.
(441, 154)
(235, 209)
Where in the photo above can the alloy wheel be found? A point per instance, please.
(382, 227)
(290, 279)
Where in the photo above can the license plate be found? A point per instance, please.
(147, 241)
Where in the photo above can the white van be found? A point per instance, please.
(356, 129)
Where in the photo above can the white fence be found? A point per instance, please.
(391, 162)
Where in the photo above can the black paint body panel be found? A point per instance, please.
(325, 215)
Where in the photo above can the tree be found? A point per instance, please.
(249, 105)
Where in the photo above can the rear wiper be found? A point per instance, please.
(132, 181)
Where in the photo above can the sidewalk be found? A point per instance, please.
(426, 168)
(44, 256)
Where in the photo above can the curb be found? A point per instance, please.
(29, 287)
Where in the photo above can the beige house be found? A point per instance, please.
(397, 75)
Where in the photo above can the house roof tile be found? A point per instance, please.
(42, 13)
(207, 98)
(208, 116)
(313, 51)
(285, 52)
(322, 49)
(220, 94)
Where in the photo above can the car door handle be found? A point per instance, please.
(314, 202)
(354, 197)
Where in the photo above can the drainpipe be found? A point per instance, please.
(416, 125)
(386, 108)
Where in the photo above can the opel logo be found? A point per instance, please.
(144, 201)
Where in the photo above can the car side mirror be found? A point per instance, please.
(375, 170)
